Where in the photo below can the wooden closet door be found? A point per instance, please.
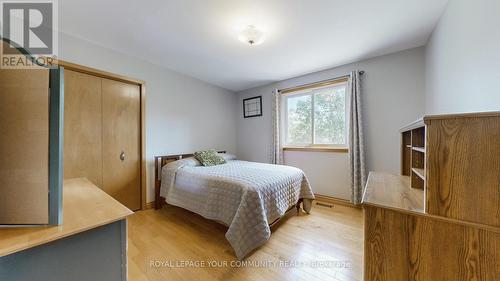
(121, 142)
(24, 146)
(82, 127)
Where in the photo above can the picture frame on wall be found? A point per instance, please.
(252, 107)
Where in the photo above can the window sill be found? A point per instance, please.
(317, 149)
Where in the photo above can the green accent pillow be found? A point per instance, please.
(209, 157)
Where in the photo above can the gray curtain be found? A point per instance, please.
(277, 147)
(356, 145)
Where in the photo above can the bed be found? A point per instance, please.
(247, 197)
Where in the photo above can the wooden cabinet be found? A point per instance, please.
(31, 108)
(407, 247)
(103, 134)
(457, 235)
(24, 144)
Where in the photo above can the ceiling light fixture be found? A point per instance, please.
(251, 35)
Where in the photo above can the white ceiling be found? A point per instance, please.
(199, 38)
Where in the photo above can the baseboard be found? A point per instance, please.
(150, 205)
(335, 201)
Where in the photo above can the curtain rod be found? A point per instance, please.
(361, 72)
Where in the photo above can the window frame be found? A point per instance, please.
(312, 91)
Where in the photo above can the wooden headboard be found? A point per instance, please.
(161, 161)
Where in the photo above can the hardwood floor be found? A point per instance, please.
(171, 244)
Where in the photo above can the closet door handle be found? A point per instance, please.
(122, 156)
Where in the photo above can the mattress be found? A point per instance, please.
(245, 196)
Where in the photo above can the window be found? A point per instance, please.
(316, 117)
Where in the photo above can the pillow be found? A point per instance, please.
(209, 157)
(228, 156)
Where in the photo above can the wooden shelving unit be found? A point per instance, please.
(419, 149)
(413, 153)
(443, 204)
(419, 172)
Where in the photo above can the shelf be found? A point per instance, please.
(413, 153)
(419, 149)
(419, 172)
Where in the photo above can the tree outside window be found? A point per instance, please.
(316, 117)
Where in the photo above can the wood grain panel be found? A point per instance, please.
(418, 137)
(24, 146)
(406, 153)
(392, 191)
(463, 164)
(407, 247)
(82, 127)
(121, 133)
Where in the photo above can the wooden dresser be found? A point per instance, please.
(440, 219)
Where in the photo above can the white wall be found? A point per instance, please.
(183, 114)
(463, 59)
(393, 96)
(328, 172)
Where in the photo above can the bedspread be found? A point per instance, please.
(245, 196)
